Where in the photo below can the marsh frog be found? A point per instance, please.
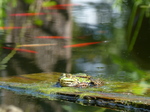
(78, 80)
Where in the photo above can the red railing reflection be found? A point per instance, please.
(30, 14)
(22, 50)
(13, 27)
(53, 37)
(61, 6)
(83, 44)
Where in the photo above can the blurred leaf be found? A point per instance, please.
(118, 4)
(141, 89)
(14, 3)
(8, 57)
(145, 6)
(38, 22)
(49, 3)
(29, 1)
(2, 67)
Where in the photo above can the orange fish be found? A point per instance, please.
(29, 14)
(23, 50)
(52, 37)
(82, 44)
(11, 27)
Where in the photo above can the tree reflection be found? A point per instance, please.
(56, 22)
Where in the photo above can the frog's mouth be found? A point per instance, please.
(68, 82)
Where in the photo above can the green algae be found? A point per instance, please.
(38, 89)
(33, 78)
(56, 90)
(44, 84)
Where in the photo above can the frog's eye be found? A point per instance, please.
(64, 74)
(68, 75)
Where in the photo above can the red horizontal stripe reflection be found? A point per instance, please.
(15, 27)
(52, 37)
(82, 44)
(29, 14)
(61, 6)
(22, 50)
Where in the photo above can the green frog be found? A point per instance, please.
(78, 80)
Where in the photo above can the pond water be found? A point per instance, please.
(89, 37)
(33, 104)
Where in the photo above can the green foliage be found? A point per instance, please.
(128, 66)
(141, 89)
(29, 1)
(2, 67)
(14, 3)
(77, 31)
(146, 7)
(118, 51)
(131, 22)
(141, 5)
(118, 4)
(49, 3)
(38, 22)
(3, 5)
(6, 59)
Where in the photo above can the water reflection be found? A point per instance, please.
(33, 104)
(47, 58)
(53, 57)
(91, 21)
(100, 16)
(94, 67)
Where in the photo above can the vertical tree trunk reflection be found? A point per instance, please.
(55, 23)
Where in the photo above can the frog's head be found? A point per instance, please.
(68, 80)
(83, 75)
(66, 75)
